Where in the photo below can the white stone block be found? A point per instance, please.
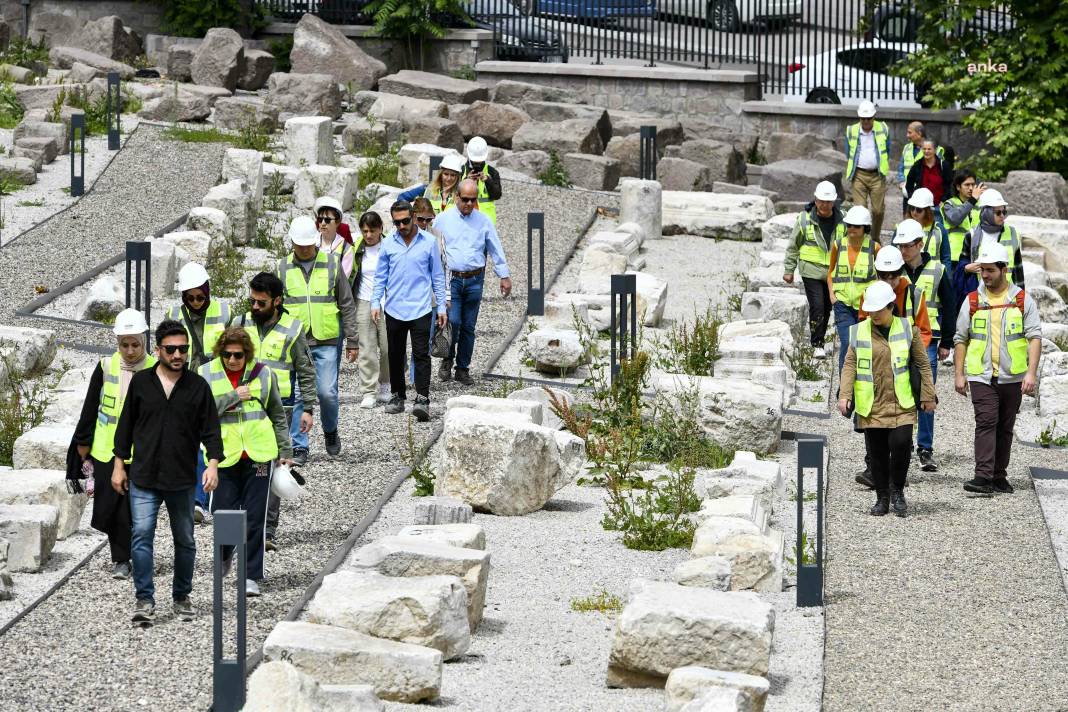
(743, 506)
(751, 466)
(209, 221)
(278, 686)
(640, 202)
(189, 246)
(309, 141)
(540, 394)
(758, 328)
(164, 268)
(689, 683)
(733, 413)
(719, 699)
(790, 307)
(233, 201)
(247, 165)
(415, 161)
(32, 349)
(706, 572)
(1053, 397)
(469, 536)
(777, 229)
(652, 297)
(44, 487)
(597, 268)
(279, 179)
(314, 182)
(30, 530)
(531, 409)
(554, 351)
(732, 216)
(44, 447)
(756, 557)
(638, 232)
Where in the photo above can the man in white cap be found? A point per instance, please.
(997, 349)
(818, 227)
(993, 211)
(479, 170)
(867, 149)
(930, 277)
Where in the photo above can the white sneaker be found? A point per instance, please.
(384, 393)
(252, 589)
(368, 401)
(819, 353)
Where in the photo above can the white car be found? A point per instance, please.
(731, 15)
(852, 74)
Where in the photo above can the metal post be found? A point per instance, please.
(228, 686)
(435, 164)
(535, 295)
(810, 456)
(624, 300)
(139, 254)
(114, 110)
(647, 153)
(77, 133)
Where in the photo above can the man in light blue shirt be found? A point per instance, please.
(409, 269)
(469, 237)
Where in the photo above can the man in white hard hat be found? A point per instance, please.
(818, 227)
(998, 345)
(317, 293)
(851, 270)
(993, 211)
(867, 149)
(929, 276)
(479, 170)
(935, 237)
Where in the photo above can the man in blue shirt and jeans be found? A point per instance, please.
(469, 237)
(409, 268)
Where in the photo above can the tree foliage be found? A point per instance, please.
(1025, 66)
(193, 18)
(414, 21)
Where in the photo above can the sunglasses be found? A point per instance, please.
(171, 348)
(462, 199)
(233, 355)
(1001, 213)
(197, 298)
(261, 302)
(325, 219)
(402, 222)
(423, 220)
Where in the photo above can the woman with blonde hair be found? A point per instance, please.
(443, 189)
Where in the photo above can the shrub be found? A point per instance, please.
(804, 365)
(226, 265)
(193, 18)
(692, 350)
(22, 406)
(556, 174)
(420, 472)
(11, 110)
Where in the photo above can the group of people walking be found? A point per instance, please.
(948, 287)
(226, 398)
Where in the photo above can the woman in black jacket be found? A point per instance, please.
(943, 176)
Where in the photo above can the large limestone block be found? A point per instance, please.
(556, 112)
(540, 394)
(232, 200)
(731, 216)
(255, 70)
(314, 182)
(794, 179)
(669, 131)
(278, 686)
(569, 136)
(497, 123)
(681, 174)
(529, 163)
(408, 556)
(621, 243)
(706, 571)
(164, 269)
(53, 27)
(44, 487)
(102, 301)
(182, 106)
(516, 93)
(57, 132)
(406, 110)
(499, 462)
(437, 87)
(735, 413)
(322, 48)
(219, 59)
(713, 484)
(592, 172)
(641, 202)
(782, 146)
(776, 231)
(652, 297)
(358, 698)
(66, 57)
(466, 535)
(108, 37)
(1037, 193)
(689, 683)
(189, 246)
(555, 351)
(32, 350)
(30, 530)
(441, 510)
(1050, 305)
(304, 94)
(748, 328)
(756, 557)
(309, 141)
(785, 306)
(415, 161)
(212, 222)
(398, 671)
(66, 405)
(7, 586)
(18, 169)
(1053, 396)
(572, 450)
(44, 447)
(247, 165)
(666, 626)
(531, 409)
(723, 161)
(597, 268)
(747, 464)
(436, 131)
(361, 135)
(240, 112)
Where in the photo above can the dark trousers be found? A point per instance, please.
(819, 308)
(996, 407)
(397, 331)
(241, 486)
(891, 451)
(111, 512)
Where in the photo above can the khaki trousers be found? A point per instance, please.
(869, 191)
(373, 361)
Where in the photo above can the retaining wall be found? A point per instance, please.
(142, 16)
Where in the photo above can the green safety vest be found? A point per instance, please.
(276, 348)
(927, 282)
(848, 282)
(313, 300)
(216, 317)
(439, 202)
(882, 147)
(1013, 347)
(932, 243)
(814, 248)
(909, 156)
(900, 345)
(1009, 237)
(956, 234)
(486, 205)
(247, 427)
(107, 413)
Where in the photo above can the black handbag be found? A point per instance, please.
(442, 340)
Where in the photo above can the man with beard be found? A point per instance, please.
(278, 338)
(168, 412)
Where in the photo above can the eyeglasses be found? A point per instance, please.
(1001, 213)
(171, 348)
(403, 222)
(233, 355)
(324, 219)
(914, 209)
(462, 199)
(261, 302)
(423, 220)
(197, 297)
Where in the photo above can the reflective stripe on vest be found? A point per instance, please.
(882, 137)
(111, 401)
(927, 282)
(1008, 237)
(1013, 347)
(245, 428)
(276, 348)
(957, 234)
(850, 282)
(815, 248)
(216, 318)
(900, 342)
(312, 300)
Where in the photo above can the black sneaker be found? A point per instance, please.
(333, 444)
(882, 506)
(927, 462)
(144, 613)
(395, 405)
(1002, 486)
(897, 502)
(864, 478)
(421, 409)
(445, 370)
(978, 484)
(300, 456)
(464, 377)
(183, 609)
(269, 545)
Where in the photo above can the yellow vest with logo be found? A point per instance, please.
(850, 282)
(1008, 237)
(246, 427)
(313, 300)
(900, 341)
(927, 282)
(276, 348)
(882, 147)
(1013, 358)
(956, 234)
(486, 205)
(216, 317)
(107, 413)
(814, 248)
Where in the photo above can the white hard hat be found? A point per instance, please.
(327, 202)
(908, 231)
(825, 191)
(922, 198)
(878, 295)
(866, 110)
(191, 276)
(477, 150)
(857, 215)
(991, 198)
(453, 162)
(991, 252)
(302, 231)
(130, 322)
(889, 260)
(283, 484)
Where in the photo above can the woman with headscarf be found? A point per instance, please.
(94, 436)
(993, 211)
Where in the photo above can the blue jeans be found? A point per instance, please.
(144, 511)
(325, 359)
(845, 316)
(200, 496)
(466, 296)
(925, 432)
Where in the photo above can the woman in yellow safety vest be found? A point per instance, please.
(254, 433)
(851, 270)
(877, 382)
(94, 436)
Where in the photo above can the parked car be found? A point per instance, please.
(853, 74)
(898, 21)
(589, 10)
(731, 15)
(518, 36)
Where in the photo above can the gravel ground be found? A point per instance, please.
(1053, 496)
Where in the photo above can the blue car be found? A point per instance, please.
(594, 9)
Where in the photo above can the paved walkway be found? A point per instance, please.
(960, 606)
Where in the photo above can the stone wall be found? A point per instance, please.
(141, 15)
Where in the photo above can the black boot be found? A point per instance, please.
(882, 505)
(897, 500)
(864, 478)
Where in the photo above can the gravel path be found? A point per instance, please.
(961, 605)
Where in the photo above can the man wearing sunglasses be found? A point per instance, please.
(169, 411)
(469, 237)
(409, 270)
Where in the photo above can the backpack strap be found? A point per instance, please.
(973, 303)
(1020, 296)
